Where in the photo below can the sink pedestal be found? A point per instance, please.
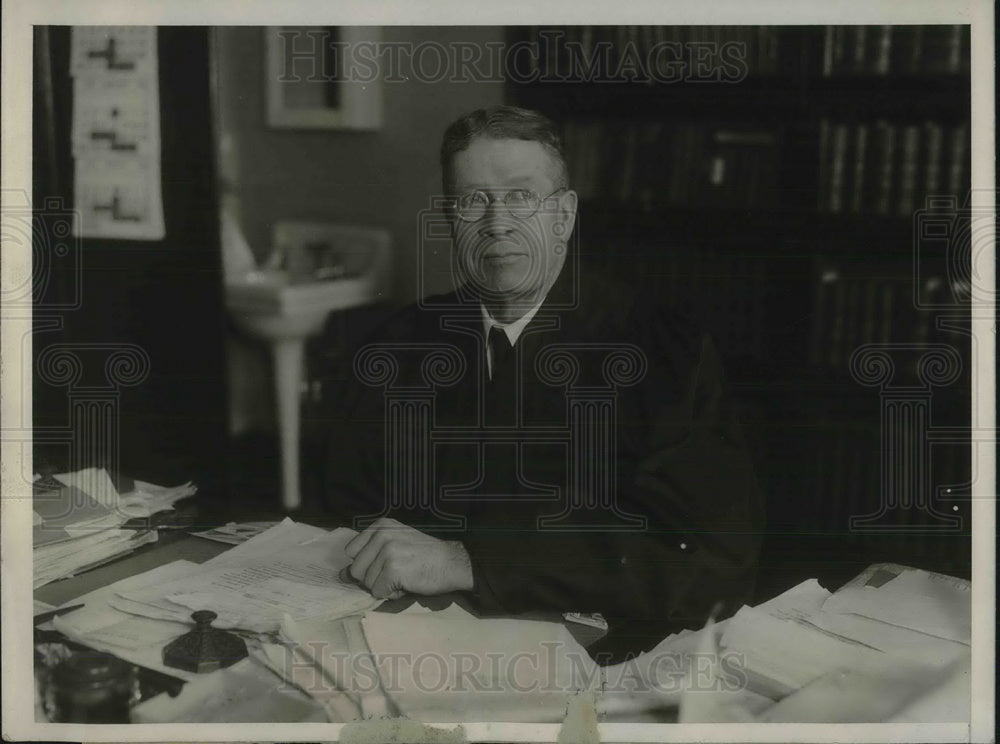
(271, 307)
(288, 355)
(286, 338)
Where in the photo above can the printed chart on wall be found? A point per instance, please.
(116, 132)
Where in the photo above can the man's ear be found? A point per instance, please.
(568, 202)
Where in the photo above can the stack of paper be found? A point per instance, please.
(436, 666)
(290, 569)
(891, 621)
(448, 665)
(77, 519)
(76, 523)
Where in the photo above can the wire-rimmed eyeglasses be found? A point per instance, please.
(520, 203)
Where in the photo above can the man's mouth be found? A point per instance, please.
(506, 256)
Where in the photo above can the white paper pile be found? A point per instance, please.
(147, 499)
(76, 525)
(74, 555)
(448, 665)
(891, 626)
(291, 569)
(77, 519)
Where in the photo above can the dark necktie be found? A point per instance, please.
(500, 348)
(500, 411)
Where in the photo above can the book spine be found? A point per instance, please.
(595, 150)
(953, 51)
(572, 154)
(916, 50)
(823, 182)
(887, 159)
(853, 330)
(934, 137)
(958, 164)
(630, 136)
(610, 161)
(837, 334)
(839, 49)
(771, 54)
(858, 175)
(587, 41)
(908, 171)
(859, 57)
(649, 179)
(828, 44)
(531, 36)
(693, 159)
(837, 168)
(676, 178)
(885, 329)
(871, 290)
(883, 51)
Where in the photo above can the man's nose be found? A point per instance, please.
(497, 221)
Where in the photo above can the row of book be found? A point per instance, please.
(723, 292)
(649, 53)
(653, 164)
(727, 292)
(673, 53)
(889, 168)
(846, 480)
(895, 50)
(851, 310)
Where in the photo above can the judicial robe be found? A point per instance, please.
(602, 469)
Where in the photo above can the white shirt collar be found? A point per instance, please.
(513, 330)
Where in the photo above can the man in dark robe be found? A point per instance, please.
(540, 439)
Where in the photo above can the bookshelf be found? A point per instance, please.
(772, 180)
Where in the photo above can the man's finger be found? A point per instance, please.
(387, 586)
(367, 554)
(345, 576)
(375, 568)
(359, 541)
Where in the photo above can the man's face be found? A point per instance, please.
(510, 260)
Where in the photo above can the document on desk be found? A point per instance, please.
(452, 666)
(807, 633)
(912, 598)
(61, 559)
(133, 637)
(293, 571)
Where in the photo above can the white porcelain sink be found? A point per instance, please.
(269, 305)
(272, 307)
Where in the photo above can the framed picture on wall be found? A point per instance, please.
(323, 77)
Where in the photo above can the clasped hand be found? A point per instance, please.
(391, 559)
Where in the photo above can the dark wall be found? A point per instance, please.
(164, 298)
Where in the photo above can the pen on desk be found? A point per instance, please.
(46, 616)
